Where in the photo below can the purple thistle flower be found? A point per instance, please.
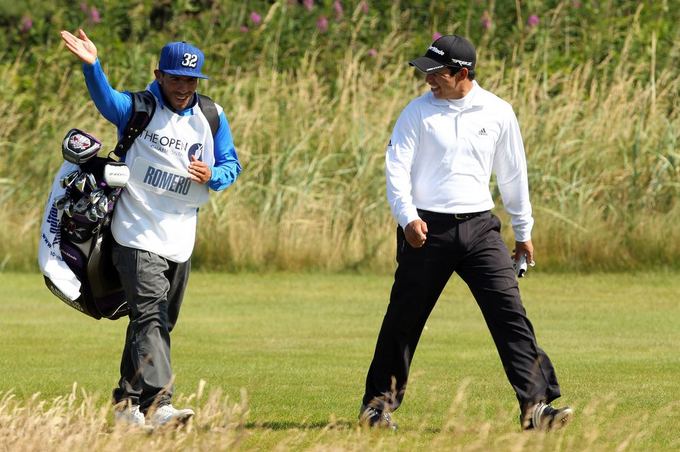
(95, 17)
(533, 20)
(26, 24)
(309, 4)
(372, 53)
(339, 11)
(486, 20)
(436, 35)
(322, 24)
(244, 29)
(363, 5)
(255, 18)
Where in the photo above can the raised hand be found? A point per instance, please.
(80, 46)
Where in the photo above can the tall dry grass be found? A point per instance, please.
(81, 421)
(601, 140)
(604, 168)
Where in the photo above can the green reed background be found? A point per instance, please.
(312, 103)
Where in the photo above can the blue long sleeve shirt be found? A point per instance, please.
(116, 107)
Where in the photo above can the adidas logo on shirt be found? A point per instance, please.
(482, 132)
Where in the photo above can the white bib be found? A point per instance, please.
(157, 210)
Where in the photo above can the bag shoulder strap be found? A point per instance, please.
(143, 108)
(210, 111)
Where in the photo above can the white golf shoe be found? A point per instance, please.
(168, 414)
(130, 415)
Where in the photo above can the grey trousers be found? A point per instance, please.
(154, 288)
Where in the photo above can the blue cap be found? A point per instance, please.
(180, 58)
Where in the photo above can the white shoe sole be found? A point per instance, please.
(561, 419)
(175, 421)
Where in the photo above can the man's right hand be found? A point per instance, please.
(80, 46)
(416, 233)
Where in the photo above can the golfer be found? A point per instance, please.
(154, 224)
(444, 147)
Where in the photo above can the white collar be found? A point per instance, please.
(471, 99)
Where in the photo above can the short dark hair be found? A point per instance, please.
(455, 70)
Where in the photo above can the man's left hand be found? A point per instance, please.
(524, 249)
(199, 171)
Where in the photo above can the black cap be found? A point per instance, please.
(448, 51)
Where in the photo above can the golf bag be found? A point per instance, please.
(75, 246)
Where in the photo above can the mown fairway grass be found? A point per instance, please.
(283, 358)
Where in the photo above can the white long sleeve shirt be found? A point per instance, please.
(443, 151)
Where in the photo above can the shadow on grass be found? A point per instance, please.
(336, 425)
(288, 425)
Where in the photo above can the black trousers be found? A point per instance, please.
(154, 288)
(474, 249)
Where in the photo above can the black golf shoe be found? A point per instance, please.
(544, 417)
(375, 418)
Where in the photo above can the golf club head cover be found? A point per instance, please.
(79, 147)
(116, 174)
(520, 266)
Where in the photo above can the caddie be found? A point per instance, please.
(173, 163)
